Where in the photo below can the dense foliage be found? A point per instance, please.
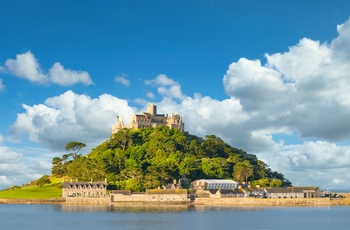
(150, 158)
(45, 179)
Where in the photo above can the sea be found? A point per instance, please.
(65, 217)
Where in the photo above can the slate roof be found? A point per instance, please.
(224, 191)
(83, 183)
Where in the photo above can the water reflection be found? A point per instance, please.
(165, 208)
(123, 209)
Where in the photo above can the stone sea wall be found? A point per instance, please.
(33, 201)
(85, 200)
(246, 202)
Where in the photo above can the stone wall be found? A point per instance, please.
(87, 200)
(149, 198)
(33, 201)
(247, 202)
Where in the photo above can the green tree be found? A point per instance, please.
(242, 171)
(190, 166)
(261, 182)
(45, 179)
(214, 146)
(57, 167)
(75, 147)
(122, 139)
(261, 169)
(215, 167)
(276, 183)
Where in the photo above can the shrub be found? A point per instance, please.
(45, 179)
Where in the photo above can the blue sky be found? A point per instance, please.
(269, 77)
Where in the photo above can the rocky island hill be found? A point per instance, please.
(153, 150)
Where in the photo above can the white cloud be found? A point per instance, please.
(26, 66)
(67, 77)
(167, 87)
(318, 163)
(15, 170)
(2, 86)
(70, 117)
(141, 101)
(122, 79)
(161, 79)
(300, 89)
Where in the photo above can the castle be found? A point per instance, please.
(150, 119)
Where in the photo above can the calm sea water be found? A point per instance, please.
(30, 217)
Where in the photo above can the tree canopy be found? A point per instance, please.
(75, 147)
(153, 157)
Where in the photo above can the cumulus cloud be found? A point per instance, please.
(318, 163)
(16, 170)
(67, 77)
(26, 66)
(167, 87)
(70, 117)
(300, 89)
(161, 79)
(122, 80)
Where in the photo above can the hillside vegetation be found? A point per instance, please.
(153, 157)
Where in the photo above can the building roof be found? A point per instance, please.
(82, 183)
(220, 181)
(224, 191)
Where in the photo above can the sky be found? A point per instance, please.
(269, 77)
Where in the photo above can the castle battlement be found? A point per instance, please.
(150, 119)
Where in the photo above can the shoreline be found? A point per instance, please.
(201, 202)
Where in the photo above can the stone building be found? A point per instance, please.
(294, 192)
(150, 119)
(84, 189)
(214, 187)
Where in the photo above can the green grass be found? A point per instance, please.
(48, 191)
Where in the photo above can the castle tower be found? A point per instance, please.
(119, 124)
(152, 109)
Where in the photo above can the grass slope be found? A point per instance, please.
(48, 191)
